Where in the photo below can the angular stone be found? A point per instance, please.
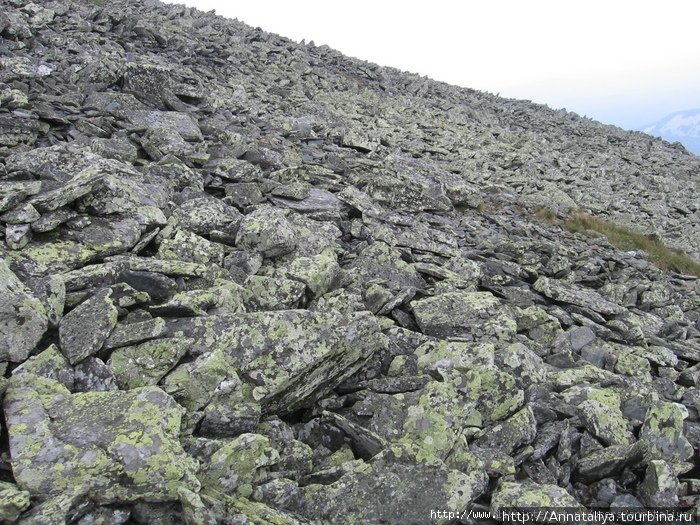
(318, 272)
(227, 419)
(428, 422)
(389, 489)
(128, 334)
(660, 487)
(50, 364)
(266, 231)
(147, 363)
(464, 314)
(187, 246)
(235, 464)
(13, 193)
(382, 262)
(525, 496)
(92, 375)
(23, 319)
(118, 446)
(293, 357)
(608, 462)
(12, 502)
(222, 297)
(519, 429)
(606, 422)
(268, 293)
(86, 181)
(184, 124)
(572, 294)
(194, 384)
(203, 215)
(663, 429)
(316, 201)
(83, 330)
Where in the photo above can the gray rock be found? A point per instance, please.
(464, 314)
(566, 293)
(84, 329)
(266, 231)
(23, 319)
(130, 453)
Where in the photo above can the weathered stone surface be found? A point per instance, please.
(127, 334)
(369, 294)
(464, 314)
(84, 329)
(606, 422)
(266, 231)
(525, 496)
(204, 215)
(575, 295)
(663, 429)
(389, 489)
(145, 364)
(50, 364)
(131, 451)
(23, 318)
(12, 501)
(293, 357)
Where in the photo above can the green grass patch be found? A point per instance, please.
(626, 239)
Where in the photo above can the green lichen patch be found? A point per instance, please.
(117, 446)
(146, 363)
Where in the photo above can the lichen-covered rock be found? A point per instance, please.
(203, 215)
(428, 422)
(92, 375)
(399, 269)
(293, 357)
(391, 489)
(128, 334)
(12, 502)
(660, 486)
(606, 422)
(129, 452)
(607, 462)
(223, 296)
(382, 262)
(272, 293)
(50, 364)
(146, 363)
(187, 246)
(567, 293)
(266, 231)
(317, 273)
(193, 384)
(23, 318)
(513, 432)
(232, 466)
(84, 329)
(529, 495)
(477, 315)
(663, 429)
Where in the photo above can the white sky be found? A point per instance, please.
(623, 62)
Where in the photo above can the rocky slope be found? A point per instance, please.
(246, 280)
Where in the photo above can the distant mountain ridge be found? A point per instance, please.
(682, 126)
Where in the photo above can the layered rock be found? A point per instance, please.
(246, 280)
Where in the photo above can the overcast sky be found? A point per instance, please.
(623, 62)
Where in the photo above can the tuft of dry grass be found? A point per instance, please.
(546, 215)
(625, 239)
